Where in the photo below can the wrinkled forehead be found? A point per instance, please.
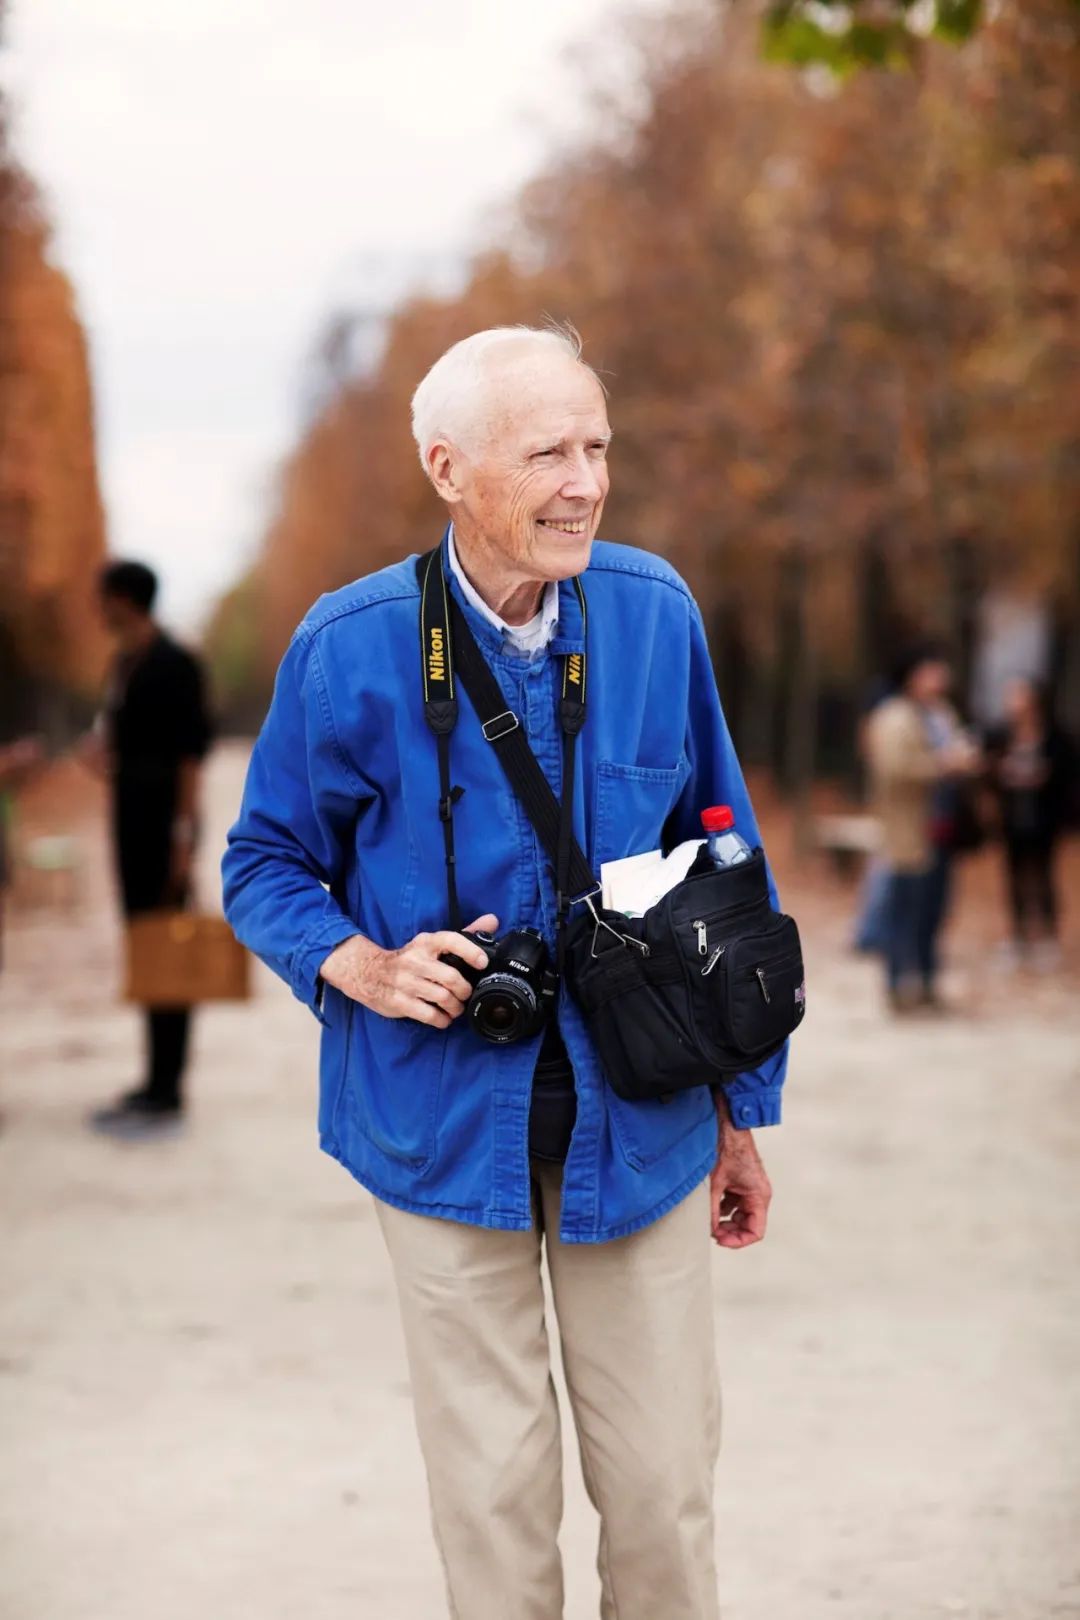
(527, 397)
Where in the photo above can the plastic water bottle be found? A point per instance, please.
(726, 848)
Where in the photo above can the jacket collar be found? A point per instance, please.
(527, 640)
(569, 634)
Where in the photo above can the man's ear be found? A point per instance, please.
(444, 470)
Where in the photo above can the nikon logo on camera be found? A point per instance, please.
(573, 673)
(436, 662)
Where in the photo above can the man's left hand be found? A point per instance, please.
(739, 1188)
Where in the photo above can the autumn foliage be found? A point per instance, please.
(52, 537)
(837, 318)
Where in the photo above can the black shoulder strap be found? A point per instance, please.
(454, 641)
(504, 732)
(440, 706)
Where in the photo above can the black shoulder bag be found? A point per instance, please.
(708, 982)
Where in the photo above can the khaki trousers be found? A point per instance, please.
(636, 1327)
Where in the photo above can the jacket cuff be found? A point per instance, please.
(309, 956)
(752, 1109)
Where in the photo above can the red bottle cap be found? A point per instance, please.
(718, 818)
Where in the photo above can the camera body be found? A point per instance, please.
(513, 995)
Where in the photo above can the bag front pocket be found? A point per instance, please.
(636, 1009)
(760, 993)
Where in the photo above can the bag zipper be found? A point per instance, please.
(700, 925)
(724, 913)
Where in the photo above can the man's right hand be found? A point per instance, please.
(410, 982)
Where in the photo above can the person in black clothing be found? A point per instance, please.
(1032, 769)
(155, 732)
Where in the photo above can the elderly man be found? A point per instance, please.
(483, 1157)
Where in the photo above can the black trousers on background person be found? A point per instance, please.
(1032, 893)
(167, 1031)
(144, 806)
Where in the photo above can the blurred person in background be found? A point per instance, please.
(919, 758)
(872, 916)
(18, 762)
(1031, 767)
(484, 1158)
(150, 741)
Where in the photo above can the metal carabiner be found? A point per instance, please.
(624, 939)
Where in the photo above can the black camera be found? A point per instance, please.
(513, 996)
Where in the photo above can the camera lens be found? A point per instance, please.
(500, 1014)
(501, 1007)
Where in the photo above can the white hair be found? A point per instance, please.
(445, 402)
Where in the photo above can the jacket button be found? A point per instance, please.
(745, 1111)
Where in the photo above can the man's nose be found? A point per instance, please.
(583, 481)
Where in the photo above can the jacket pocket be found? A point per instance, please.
(338, 1011)
(645, 1131)
(630, 806)
(395, 1077)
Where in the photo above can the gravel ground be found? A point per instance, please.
(205, 1401)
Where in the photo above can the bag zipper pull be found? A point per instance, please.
(702, 938)
(759, 974)
(713, 959)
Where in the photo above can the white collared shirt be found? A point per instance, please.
(526, 639)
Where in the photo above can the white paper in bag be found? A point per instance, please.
(634, 884)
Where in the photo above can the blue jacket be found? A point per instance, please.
(338, 833)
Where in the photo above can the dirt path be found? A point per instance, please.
(205, 1406)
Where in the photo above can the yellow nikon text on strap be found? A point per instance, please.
(436, 655)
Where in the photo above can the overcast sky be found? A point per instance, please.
(223, 176)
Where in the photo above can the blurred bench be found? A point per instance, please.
(849, 841)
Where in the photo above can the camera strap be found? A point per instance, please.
(447, 644)
(440, 707)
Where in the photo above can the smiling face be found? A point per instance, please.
(527, 488)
